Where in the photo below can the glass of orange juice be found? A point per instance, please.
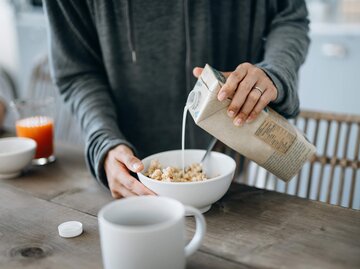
(35, 120)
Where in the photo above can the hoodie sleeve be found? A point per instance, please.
(78, 72)
(285, 50)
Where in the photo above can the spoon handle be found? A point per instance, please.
(209, 148)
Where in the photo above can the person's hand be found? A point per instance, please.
(250, 89)
(118, 162)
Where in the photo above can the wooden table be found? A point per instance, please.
(248, 228)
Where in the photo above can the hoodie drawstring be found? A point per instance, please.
(130, 35)
(131, 42)
(188, 46)
(188, 72)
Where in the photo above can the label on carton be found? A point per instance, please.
(275, 135)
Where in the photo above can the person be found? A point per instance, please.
(125, 69)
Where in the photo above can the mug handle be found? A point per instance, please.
(198, 237)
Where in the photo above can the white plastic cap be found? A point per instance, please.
(70, 229)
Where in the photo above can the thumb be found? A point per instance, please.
(133, 163)
(197, 71)
(126, 156)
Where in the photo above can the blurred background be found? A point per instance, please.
(328, 79)
(24, 63)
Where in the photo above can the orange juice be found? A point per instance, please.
(39, 128)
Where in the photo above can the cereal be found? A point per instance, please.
(171, 174)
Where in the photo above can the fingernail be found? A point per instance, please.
(221, 96)
(136, 166)
(238, 122)
(231, 113)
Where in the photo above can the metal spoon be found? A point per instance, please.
(208, 150)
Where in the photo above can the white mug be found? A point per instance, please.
(147, 232)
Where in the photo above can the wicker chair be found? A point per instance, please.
(332, 176)
(41, 86)
(7, 94)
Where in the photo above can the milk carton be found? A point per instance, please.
(270, 141)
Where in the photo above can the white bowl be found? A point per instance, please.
(15, 154)
(219, 168)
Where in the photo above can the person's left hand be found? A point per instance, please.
(250, 89)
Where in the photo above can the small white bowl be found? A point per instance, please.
(15, 154)
(219, 168)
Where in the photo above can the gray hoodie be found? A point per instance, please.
(124, 67)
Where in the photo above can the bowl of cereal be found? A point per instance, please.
(198, 185)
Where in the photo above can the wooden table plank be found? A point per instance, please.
(67, 173)
(263, 228)
(29, 237)
(27, 222)
(88, 200)
(203, 260)
(248, 228)
(266, 229)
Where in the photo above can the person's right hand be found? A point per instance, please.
(118, 162)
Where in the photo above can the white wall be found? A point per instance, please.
(329, 79)
(8, 45)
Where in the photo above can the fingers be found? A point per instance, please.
(242, 95)
(197, 71)
(126, 156)
(250, 102)
(229, 88)
(247, 101)
(130, 183)
(119, 191)
(117, 164)
(263, 101)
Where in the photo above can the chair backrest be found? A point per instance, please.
(7, 94)
(331, 176)
(41, 86)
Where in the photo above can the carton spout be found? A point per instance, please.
(193, 99)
